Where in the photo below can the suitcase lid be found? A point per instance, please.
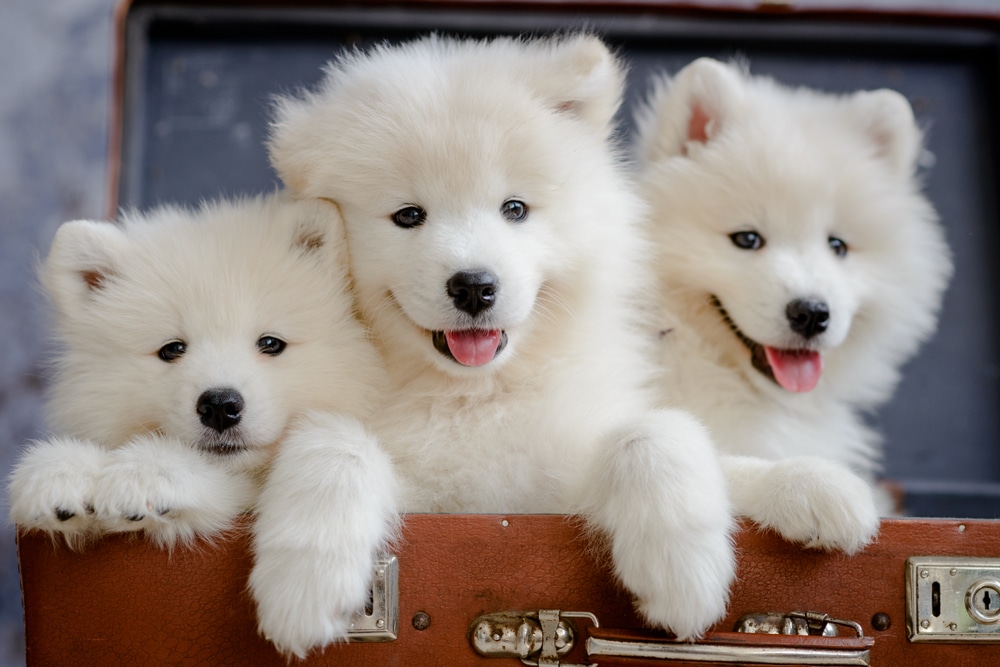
(195, 86)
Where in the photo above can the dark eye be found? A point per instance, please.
(271, 345)
(172, 351)
(747, 240)
(409, 216)
(838, 245)
(514, 210)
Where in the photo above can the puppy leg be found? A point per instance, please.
(169, 491)
(51, 487)
(806, 499)
(328, 507)
(657, 491)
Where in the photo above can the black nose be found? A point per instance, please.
(473, 291)
(808, 317)
(220, 408)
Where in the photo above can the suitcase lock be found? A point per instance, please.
(538, 638)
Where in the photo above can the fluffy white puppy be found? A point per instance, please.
(799, 266)
(497, 259)
(191, 344)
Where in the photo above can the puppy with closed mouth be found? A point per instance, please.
(193, 344)
(800, 266)
(498, 263)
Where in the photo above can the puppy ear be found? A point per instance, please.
(84, 255)
(317, 229)
(580, 76)
(688, 110)
(887, 120)
(290, 147)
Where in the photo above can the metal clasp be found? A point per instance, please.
(794, 623)
(539, 638)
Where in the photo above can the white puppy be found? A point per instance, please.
(800, 266)
(496, 252)
(192, 343)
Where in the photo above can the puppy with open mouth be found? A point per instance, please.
(497, 260)
(799, 267)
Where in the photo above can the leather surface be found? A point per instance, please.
(122, 601)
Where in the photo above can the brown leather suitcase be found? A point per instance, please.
(520, 586)
(483, 580)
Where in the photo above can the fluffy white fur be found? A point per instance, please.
(722, 152)
(560, 420)
(227, 280)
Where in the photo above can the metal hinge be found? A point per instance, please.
(379, 622)
(795, 623)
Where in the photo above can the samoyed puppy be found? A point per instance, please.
(191, 344)
(497, 257)
(799, 267)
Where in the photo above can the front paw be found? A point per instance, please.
(817, 502)
(306, 596)
(681, 584)
(169, 491)
(52, 488)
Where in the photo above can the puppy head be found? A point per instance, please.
(216, 327)
(462, 169)
(795, 216)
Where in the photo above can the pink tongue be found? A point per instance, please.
(795, 370)
(471, 347)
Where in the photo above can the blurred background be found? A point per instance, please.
(56, 60)
(55, 75)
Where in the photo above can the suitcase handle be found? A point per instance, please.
(542, 638)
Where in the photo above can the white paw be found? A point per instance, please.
(327, 508)
(681, 580)
(660, 495)
(306, 597)
(817, 502)
(169, 491)
(52, 487)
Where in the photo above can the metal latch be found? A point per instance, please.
(379, 622)
(952, 599)
(794, 623)
(540, 638)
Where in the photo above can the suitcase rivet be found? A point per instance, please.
(881, 621)
(925, 623)
(924, 574)
(421, 620)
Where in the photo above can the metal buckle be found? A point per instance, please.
(539, 638)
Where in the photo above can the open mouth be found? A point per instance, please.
(796, 370)
(470, 347)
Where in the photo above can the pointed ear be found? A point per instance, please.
(887, 120)
(317, 228)
(691, 108)
(578, 75)
(84, 255)
(291, 146)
